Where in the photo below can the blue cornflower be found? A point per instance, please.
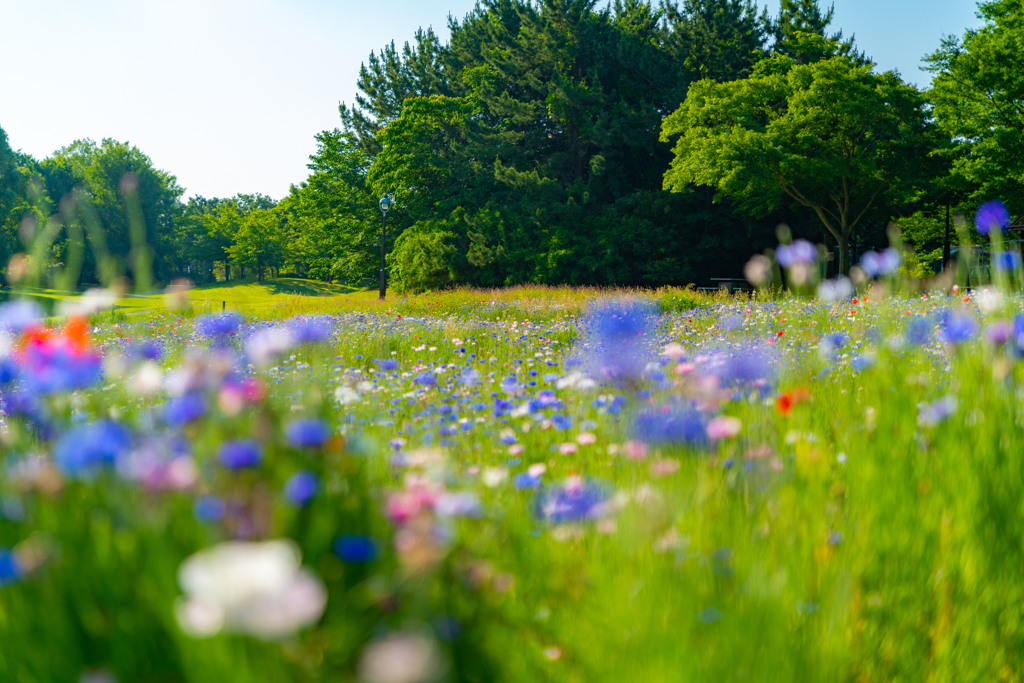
(150, 349)
(209, 508)
(800, 251)
(525, 480)
(572, 501)
(219, 324)
(10, 570)
(388, 364)
(185, 409)
(97, 443)
(17, 315)
(742, 366)
(307, 433)
(919, 331)
(355, 548)
(309, 329)
(993, 214)
(8, 370)
(957, 327)
(673, 426)
(931, 414)
(1006, 260)
(238, 455)
(620, 335)
(301, 488)
(427, 379)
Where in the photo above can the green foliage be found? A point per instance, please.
(832, 136)
(977, 88)
(260, 242)
(800, 34)
(420, 260)
(720, 40)
(333, 216)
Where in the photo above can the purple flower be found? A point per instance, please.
(355, 548)
(993, 214)
(84, 448)
(238, 455)
(307, 433)
(219, 324)
(311, 328)
(388, 364)
(184, 409)
(801, 251)
(674, 426)
(301, 488)
(572, 501)
(1000, 332)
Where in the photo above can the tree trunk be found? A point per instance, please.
(844, 248)
(227, 270)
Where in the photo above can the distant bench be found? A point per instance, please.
(731, 284)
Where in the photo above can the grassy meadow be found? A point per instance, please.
(518, 485)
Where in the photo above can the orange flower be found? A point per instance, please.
(785, 402)
(76, 330)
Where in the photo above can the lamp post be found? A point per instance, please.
(386, 202)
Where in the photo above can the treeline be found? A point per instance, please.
(559, 141)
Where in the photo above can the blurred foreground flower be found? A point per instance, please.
(401, 658)
(620, 334)
(574, 500)
(993, 214)
(52, 361)
(932, 414)
(671, 426)
(258, 589)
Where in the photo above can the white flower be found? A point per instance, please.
(146, 380)
(401, 658)
(95, 299)
(346, 395)
(266, 345)
(494, 476)
(258, 589)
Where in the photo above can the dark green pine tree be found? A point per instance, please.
(387, 79)
(800, 33)
(717, 39)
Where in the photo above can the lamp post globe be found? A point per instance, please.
(386, 202)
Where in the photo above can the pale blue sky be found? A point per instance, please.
(228, 94)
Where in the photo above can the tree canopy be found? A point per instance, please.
(833, 136)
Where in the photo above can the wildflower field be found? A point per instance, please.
(525, 485)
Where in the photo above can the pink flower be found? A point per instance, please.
(634, 450)
(723, 428)
(568, 448)
(585, 439)
(664, 467)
